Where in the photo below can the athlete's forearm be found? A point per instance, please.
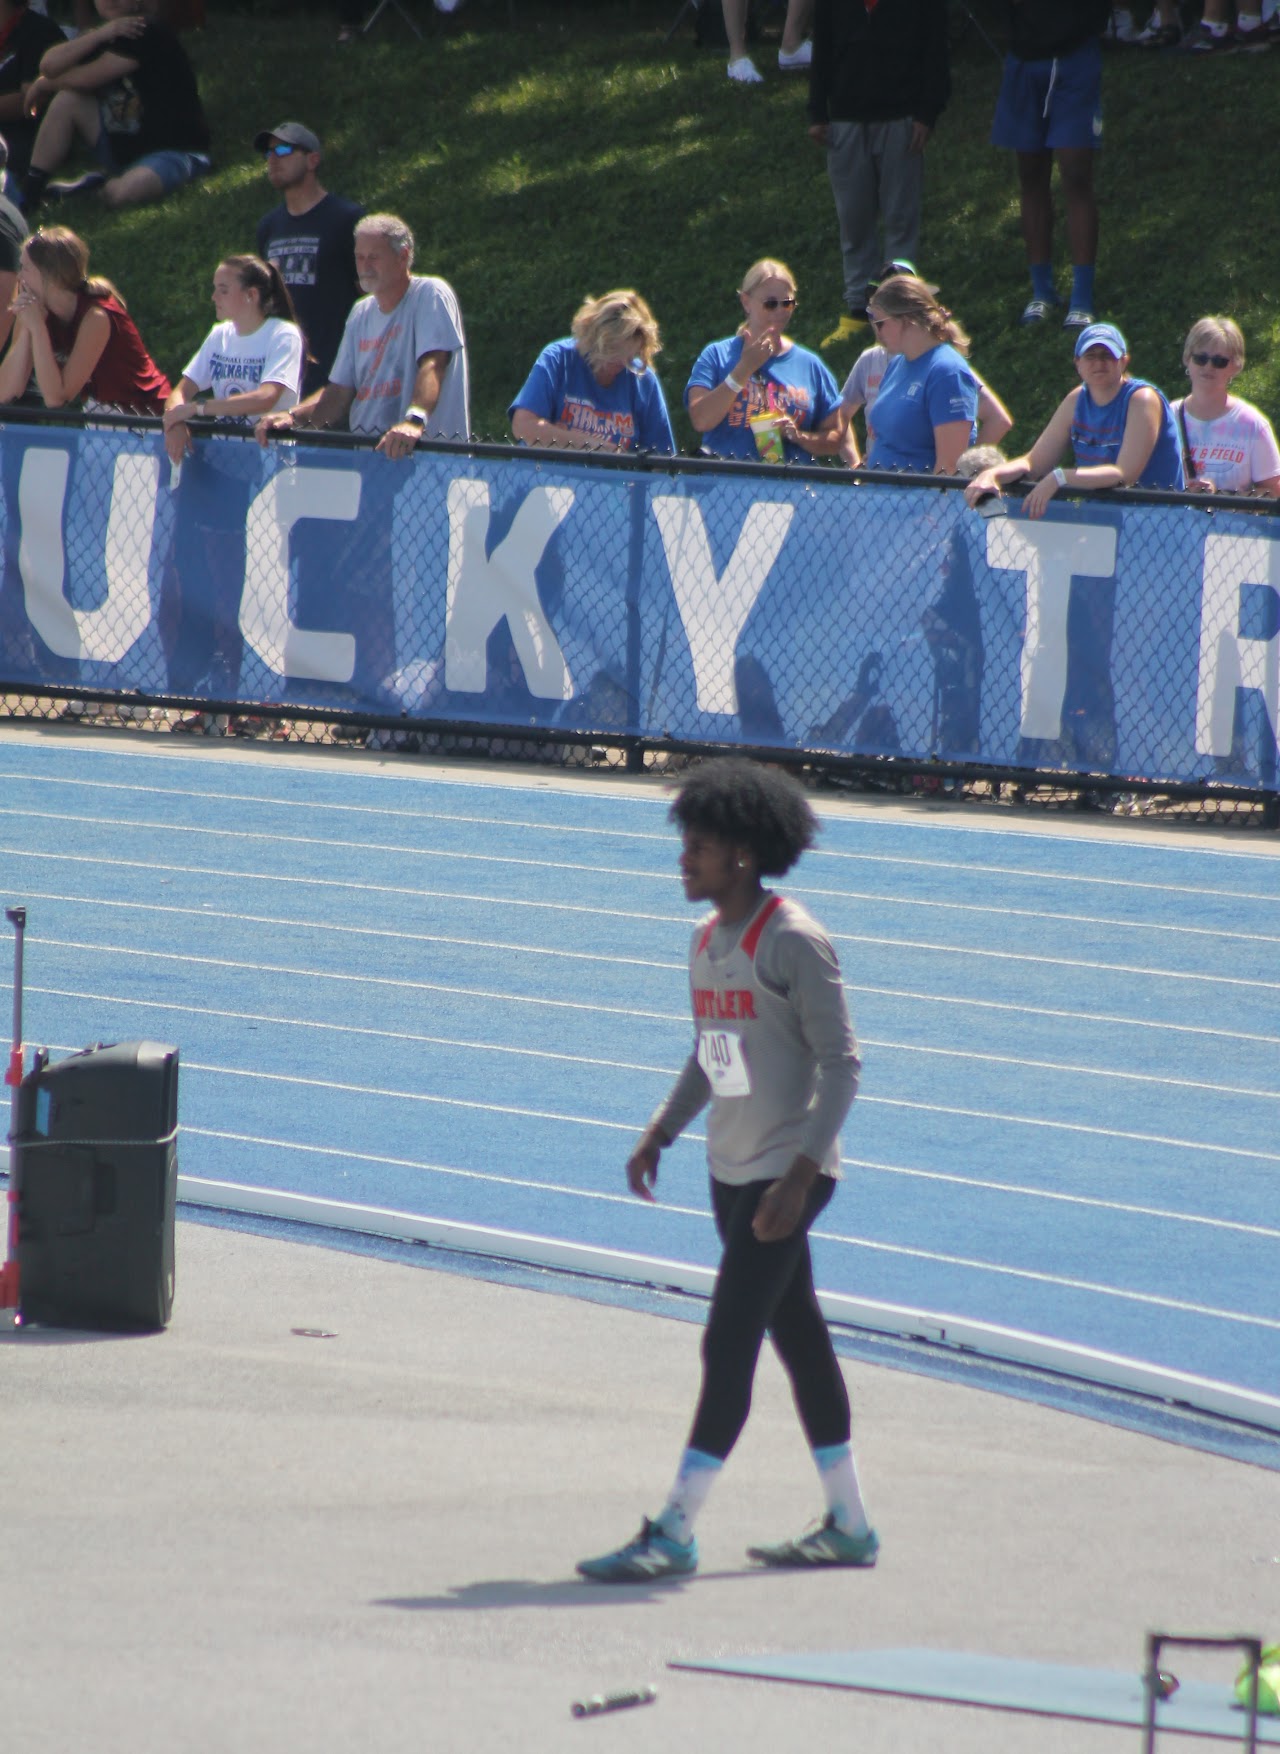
(689, 1095)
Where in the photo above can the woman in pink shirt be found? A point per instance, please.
(1228, 444)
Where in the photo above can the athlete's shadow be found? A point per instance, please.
(569, 1592)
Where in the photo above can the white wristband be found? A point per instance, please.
(733, 384)
(1060, 476)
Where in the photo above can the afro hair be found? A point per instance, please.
(747, 805)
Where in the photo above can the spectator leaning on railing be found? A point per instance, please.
(401, 370)
(1228, 445)
(1120, 429)
(597, 390)
(251, 360)
(759, 394)
(75, 334)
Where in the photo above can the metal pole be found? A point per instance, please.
(17, 918)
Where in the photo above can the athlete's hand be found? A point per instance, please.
(642, 1167)
(782, 1205)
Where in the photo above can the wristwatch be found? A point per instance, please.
(416, 416)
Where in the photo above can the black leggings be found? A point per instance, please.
(766, 1287)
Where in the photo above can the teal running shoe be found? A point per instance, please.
(652, 1554)
(823, 1545)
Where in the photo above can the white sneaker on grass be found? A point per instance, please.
(744, 71)
(799, 59)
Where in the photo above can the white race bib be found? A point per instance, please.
(721, 1058)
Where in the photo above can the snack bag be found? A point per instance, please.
(764, 429)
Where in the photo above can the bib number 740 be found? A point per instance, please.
(721, 1058)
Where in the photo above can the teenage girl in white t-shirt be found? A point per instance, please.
(251, 360)
(1228, 444)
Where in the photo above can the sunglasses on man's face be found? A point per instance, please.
(775, 304)
(1219, 360)
(280, 150)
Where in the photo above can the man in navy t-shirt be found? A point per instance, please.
(311, 239)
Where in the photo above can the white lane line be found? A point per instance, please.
(532, 1185)
(370, 980)
(349, 1155)
(856, 987)
(1036, 914)
(346, 1089)
(980, 1184)
(295, 1079)
(291, 879)
(675, 1018)
(663, 837)
(429, 852)
(935, 949)
(1062, 1281)
(882, 943)
(984, 869)
(529, 1183)
(1012, 1120)
(358, 1030)
(1090, 1017)
(1075, 1070)
(470, 898)
(324, 929)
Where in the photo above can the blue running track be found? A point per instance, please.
(461, 997)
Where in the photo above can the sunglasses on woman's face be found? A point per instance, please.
(775, 304)
(1219, 360)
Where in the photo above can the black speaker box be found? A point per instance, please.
(97, 1165)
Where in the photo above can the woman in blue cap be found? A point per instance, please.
(1121, 431)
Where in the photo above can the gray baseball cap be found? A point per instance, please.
(291, 133)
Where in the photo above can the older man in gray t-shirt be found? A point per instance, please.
(401, 369)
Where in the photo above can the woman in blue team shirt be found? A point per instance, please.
(927, 408)
(760, 370)
(1120, 429)
(597, 389)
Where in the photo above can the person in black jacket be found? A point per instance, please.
(879, 80)
(127, 92)
(1050, 106)
(24, 36)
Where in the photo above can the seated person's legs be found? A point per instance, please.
(152, 178)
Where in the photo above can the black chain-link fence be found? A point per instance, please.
(613, 611)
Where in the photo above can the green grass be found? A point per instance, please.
(559, 148)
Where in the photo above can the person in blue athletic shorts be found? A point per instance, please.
(775, 1056)
(597, 389)
(1050, 106)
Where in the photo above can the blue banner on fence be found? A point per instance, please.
(720, 606)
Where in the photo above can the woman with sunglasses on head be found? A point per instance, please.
(927, 406)
(1121, 432)
(862, 386)
(761, 372)
(597, 389)
(75, 335)
(1228, 444)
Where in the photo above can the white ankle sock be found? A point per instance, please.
(839, 1476)
(694, 1479)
